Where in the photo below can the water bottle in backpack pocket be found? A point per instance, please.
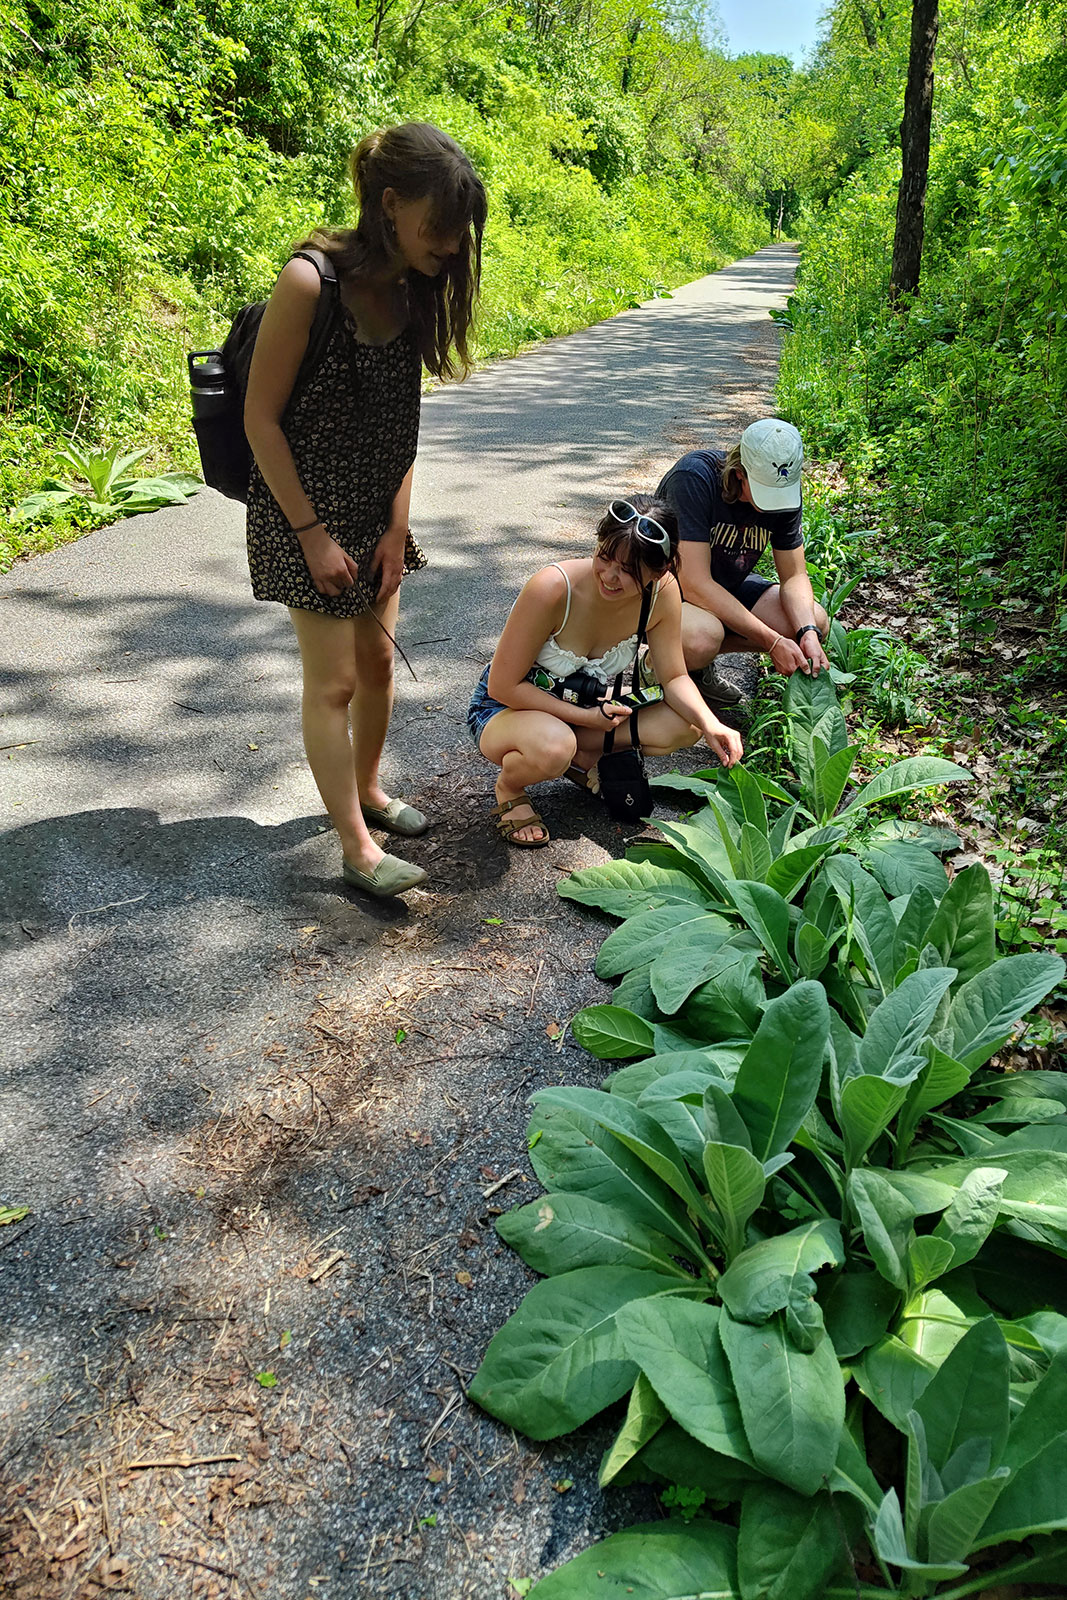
(218, 380)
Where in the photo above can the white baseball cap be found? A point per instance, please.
(772, 456)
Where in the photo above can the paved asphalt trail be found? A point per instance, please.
(253, 1116)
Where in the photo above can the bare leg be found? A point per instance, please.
(328, 657)
(662, 731)
(702, 635)
(768, 609)
(528, 747)
(372, 702)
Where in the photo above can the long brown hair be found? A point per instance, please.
(416, 159)
(733, 476)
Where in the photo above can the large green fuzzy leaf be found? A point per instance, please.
(856, 1309)
(986, 1008)
(912, 923)
(727, 1007)
(898, 1025)
(675, 1455)
(767, 914)
(956, 1521)
(1043, 1417)
(763, 1277)
(642, 937)
(736, 1181)
(887, 1537)
(634, 993)
(710, 854)
(792, 1401)
(779, 1078)
(636, 1131)
(611, 1033)
(622, 888)
(871, 922)
(789, 870)
(962, 931)
(1034, 1501)
(901, 868)
(572, 1152)
(652, 1561)
(718, 1064)
(938, 1081)
(1035, 1187)
(866, 1106)
(563, 1231)
(830, 775)
(684, 965)
(677, 1347)
(560, 1359)
(755, 854)
(968, 1395)
(676, 1103)
(750, 795)
(645, 1415)
(886, 1218)
(916, 772)
(939, 839)
(788, 1545)
(894, 1372)
(972, 1214)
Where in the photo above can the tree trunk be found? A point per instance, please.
(915, 150)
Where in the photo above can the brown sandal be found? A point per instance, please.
(585, 777)
(507, 826)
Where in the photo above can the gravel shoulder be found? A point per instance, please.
(263, 1127)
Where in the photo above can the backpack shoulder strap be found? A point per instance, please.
(325, 312)
(320, 261)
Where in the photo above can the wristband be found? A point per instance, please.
(809, 627)
(307, 527)
(775, 641)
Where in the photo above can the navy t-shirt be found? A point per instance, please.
(737, 534)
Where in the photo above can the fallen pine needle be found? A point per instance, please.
(174, 1461)
(326, 1266)
(500, 1182)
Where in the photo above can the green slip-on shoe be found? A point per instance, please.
(391, 876)
(396, 817)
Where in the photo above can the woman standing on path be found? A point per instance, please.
(331, 480)
(580, 619)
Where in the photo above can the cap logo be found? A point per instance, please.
(783, 471)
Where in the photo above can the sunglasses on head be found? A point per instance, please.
(647, 528)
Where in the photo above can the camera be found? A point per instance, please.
(579, 688)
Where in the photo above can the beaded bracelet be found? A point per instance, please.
(307, 527)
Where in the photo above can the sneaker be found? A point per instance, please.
(716, 690)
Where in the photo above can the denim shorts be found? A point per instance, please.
(481, 708)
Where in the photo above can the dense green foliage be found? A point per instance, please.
(157, 161)
(953, 408)
(805, 1229)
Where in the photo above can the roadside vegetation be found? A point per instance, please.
(158, 162)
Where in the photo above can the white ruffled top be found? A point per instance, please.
(561, 662)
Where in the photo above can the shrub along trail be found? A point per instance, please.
(970, 699)
(261, 1129)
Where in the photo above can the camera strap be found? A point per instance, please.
(642, 623)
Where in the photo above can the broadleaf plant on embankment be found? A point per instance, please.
(807, 1234)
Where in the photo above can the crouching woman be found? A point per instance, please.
(544, 704)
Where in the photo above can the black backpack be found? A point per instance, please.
(218, 380)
